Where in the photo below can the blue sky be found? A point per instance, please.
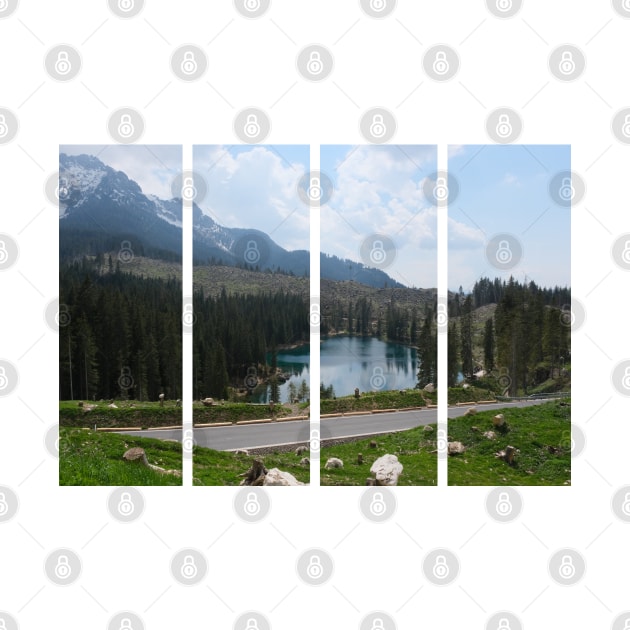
(257, 187)
(505, 189)
(378, 190)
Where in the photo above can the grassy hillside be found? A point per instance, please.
(87, 458)
(542, 433)
(212, 279)
(222, 468)
(378, 400)
(133, 413)
(344, 291)
(412, 448)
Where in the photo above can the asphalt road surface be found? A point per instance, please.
(275, 433)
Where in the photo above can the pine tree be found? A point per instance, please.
(466, 338)
(488, 346)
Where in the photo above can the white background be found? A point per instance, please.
(252, 63)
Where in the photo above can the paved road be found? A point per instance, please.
(269, 434)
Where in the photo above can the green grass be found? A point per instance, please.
(537, 431)
(221, 468)
(147, 415)
(468, 394)
(411, 447)
(88, 458)
(231, 412)
(378, 400)
(130, 413)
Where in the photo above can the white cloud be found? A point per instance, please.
(511, 180)
(462, 236)
(256, 188)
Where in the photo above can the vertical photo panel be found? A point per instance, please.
(120, 325)
(509, 315)
(251, 331)
(378, 389)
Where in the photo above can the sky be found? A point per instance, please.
(152, 167)
(377, 189)
(256, 187)
(505, 189)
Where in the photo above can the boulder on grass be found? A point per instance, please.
(136, 454)
(498, 420)
(333, 462)
(275, 477)
(471, 411)
(207, 402)
(455, 448)
(386, 470)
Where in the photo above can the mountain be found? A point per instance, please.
(100, 208)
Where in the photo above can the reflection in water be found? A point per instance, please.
(367, 363)
(294, 364)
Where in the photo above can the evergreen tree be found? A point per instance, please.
(488, 346)
(466, 338)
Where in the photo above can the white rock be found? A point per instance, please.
(333, 462)
(387, 469)
(455, 448)
(275, 477)
(498, 420)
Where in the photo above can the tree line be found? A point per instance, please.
(235, 333)
(119, 334)
(527, 340)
